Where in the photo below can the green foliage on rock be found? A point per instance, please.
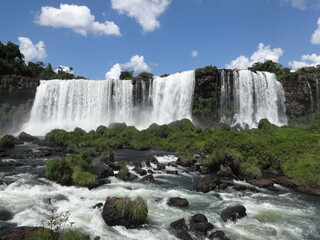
(43, 234)
(126, 75)
(74, 234)
(7, 141)
(134, 210)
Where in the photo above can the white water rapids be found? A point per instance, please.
(287, 215)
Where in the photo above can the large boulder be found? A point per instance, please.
(178, 202)
(140, 171)
(184, 235)
(211, 183)
(124, 212)
(199, 223)
(5, 215)
(102, 171)
(23, 233)
(233, 213)
(126, 176)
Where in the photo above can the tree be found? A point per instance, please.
(126, 75)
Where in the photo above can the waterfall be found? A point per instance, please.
(67, 104)
(311, 98)
(255, 96)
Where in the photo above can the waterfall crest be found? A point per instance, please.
(67, 104)
(252, 97)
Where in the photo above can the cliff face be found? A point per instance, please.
(16, 98)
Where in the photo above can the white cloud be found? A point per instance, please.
(114, 72)
(306, 61)
(315, 39)
(136, 63)
(300, 4)
(194, 53)
(77, 18)
(263, 54)
(31, 51)
(145, 12)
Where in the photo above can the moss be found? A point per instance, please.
(7, 141)
(250, 168)
(74, 234)
(23, 136)
(82, 178)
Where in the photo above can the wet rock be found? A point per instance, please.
(140, 171)
(22, 233)
(225, 171)
(211, 183)
(184, 163)
(199, 223)
(160, 166)
(5, 215)
(173, 164)
(150, 178)
(218, 235)
(98, 205)
(178, 202)
(184, 235)
(11, 163)
(126, 176)
(114, 165)
(233, 213)
(150, 171)
(114, 216)
(261, 183)
(179, 225)
(102, 171)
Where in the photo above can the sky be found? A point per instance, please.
(100, 38)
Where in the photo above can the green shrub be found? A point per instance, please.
(123, 166)
(7, 141)
(82, 178)
(250, 168)
(23, 136)
(74, 234)
(136, 210)
(59, 170)
(42, 234)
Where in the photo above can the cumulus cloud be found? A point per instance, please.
(306, 61)
(31, 51)
(194, 53)
(136, 63)
(114, 72)
(77, 18)
(263, 54)
(145, 12)
(315, 39)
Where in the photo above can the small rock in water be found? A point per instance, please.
(233, 213)
(5, 215)
(199, 223)
(140, 171)
(218, 235)
(178, 202)
(179, 224)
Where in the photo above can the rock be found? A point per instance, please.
(261, 183)
(5, 215)
(98, 205)
(126, 176)
(233, 213)
(160, 166)
(124, 216)
(150, 178)
(199, 223)
(114, 165)
(224, 171)
(184, 163)
(102, 171)
(211, 183)
(184, 235)
(175, 172)
(179, 225)
(22, 233)
(11, 163)
(140, 171)
(218, 235)
(173, 164)
(178, 202)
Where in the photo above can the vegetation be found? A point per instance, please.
(43, 234)
(7, 141)
(71, 170)
(134, 210)
(292, 150)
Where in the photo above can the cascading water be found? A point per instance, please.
(67, 104)
(255, 96)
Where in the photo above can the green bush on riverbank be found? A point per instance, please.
(292, 150)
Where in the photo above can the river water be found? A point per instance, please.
(285, 215)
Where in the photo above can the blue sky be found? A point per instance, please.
(162, 36)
